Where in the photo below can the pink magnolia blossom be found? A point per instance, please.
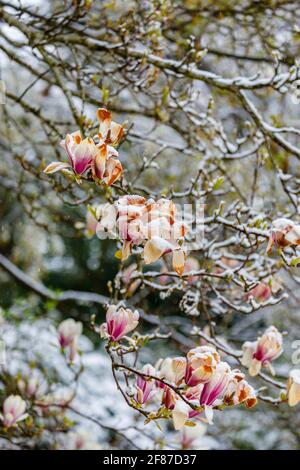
(144, 386)
(261, 353)
(284, 232)
(119, 322)
(214, 389)
(81, 153)
(201, 365)
(68, 333)
(169, 398)
(14, 408)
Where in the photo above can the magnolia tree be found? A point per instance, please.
(153, 147)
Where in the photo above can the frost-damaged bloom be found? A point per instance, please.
(105, 166)
(154, 225)
(293, 387)
(119, 322)
(284, 232)
(68, 333)
(144, 386)
(14, 408)
(261, 353)
(239, 391)
(109, 131)
(201, 365)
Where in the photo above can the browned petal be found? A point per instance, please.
(114, 170)
(103, 114)
(251, 402)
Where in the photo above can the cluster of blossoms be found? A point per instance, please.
(99, 159)
(186, 386)
(195, 383)
(155, 225)
(260, 353)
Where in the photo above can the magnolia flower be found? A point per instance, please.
(284, 232)
(109, 131)
(169, 398)
(13, 411)
(239, 391)
(81, 153)
(119, 322)
(144, 386)
(68, 333)
(180, 414)
(207, 395)
(201, 365)
(171, 369)
(293, 387)
(260, 353)
(85, 155)
(157, 247)
(215, 387)
(212, 392)
(191, 436)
